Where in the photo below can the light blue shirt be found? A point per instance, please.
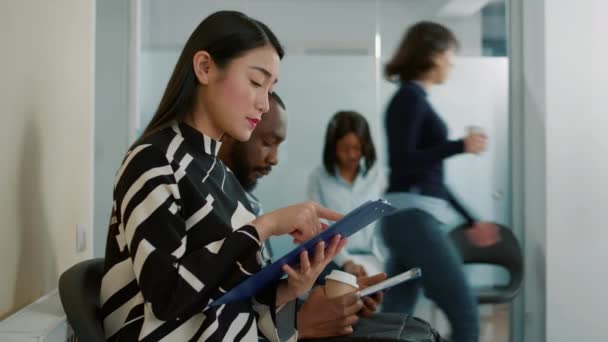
(337, 194)
(440, 209)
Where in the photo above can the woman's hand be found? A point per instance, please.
(483, 234)
(475, 143)
(301, 221)
(300, 281)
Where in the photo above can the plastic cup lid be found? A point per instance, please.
(343, 277)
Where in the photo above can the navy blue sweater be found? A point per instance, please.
(417, 145)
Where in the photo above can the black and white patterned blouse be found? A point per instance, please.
(179, 237)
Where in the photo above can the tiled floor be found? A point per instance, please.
(494, 320)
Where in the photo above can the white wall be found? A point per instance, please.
(577, 169)
(565, 79)
(46, 143)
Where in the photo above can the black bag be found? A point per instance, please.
(389, 327)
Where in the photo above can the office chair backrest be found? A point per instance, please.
(506, 253)
(79, 291)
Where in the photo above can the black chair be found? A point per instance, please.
(79, 291)
(506, 253)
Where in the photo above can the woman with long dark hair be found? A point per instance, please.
(348, 178)
(417, 146)
(182, 231)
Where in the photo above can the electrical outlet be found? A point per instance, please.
(81, 237)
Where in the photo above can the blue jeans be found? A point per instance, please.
(414, 239)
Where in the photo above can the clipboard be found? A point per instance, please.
(351, 223)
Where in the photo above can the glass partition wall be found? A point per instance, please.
(335, 52)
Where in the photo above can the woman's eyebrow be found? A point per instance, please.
(266, 73)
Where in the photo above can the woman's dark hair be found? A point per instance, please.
(225, 35)
(415, 54)
(340, 125)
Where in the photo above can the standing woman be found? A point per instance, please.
(181, 231)
(417, 145)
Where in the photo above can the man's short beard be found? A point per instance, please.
(241, 171)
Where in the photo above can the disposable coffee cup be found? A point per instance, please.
(339, 283)
(475, 130)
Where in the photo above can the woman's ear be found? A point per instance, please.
(436, 59)
(203, 65)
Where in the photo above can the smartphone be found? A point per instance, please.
(412, 274)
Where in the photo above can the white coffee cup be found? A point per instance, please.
(473, 129)
(339, 283)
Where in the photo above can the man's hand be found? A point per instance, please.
(320, 316)
(355, 269)
(372, 302)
